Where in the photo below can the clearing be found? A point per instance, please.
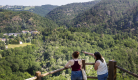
(18, 45)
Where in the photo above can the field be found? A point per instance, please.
(27, 8)
(18, 45)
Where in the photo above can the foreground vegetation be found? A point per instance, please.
(57, 48)
(18, 63)
(61, 43)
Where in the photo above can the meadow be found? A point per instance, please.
(18, 45)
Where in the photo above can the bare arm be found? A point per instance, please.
(68, 65)
(96, 65)
(88, 53)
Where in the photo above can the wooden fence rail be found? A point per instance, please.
(112, 67)
(127, 71)
(39, 75)
(53, 72)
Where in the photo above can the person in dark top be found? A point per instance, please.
(76, 65)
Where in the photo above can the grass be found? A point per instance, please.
(18, 45)
(27, 8)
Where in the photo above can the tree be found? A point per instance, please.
(7, 42)
(1, 35)
(2, 45)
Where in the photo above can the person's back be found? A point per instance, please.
(75, 64)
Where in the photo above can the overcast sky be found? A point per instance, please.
(39, 2)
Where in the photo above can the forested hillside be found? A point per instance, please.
(129, 23)
(102, 17)
(11, 21)
(40, 10)
(62, 15)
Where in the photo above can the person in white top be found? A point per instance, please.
(100, 65)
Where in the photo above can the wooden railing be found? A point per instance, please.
(112, 70)
(39, 75)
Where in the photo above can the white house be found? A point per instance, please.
(9, 34)
(3, 39)
(20, 42)
(6, 47)
(25, 31)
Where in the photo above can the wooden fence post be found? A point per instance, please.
(38, 75)
(83, 64)
(112, 70)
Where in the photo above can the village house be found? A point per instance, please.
(6, 34)
(15, 34)
(25, 31)
(31, 32)
(9, 34)
(6, 47)
(20, 42)
(3, 39)
(34, 32)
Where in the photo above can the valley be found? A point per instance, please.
(107, 26)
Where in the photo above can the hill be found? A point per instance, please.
(64, 14)
(102, 16)
(11, 21)
(40, 10)
(129, 23)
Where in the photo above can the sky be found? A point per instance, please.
(39, 2)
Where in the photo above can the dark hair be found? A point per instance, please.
(98, 56)
(75, 54)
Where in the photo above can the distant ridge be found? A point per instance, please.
(62, 15)
(11, 21)
(40, 10)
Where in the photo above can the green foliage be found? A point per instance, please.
(18, 63)
(2, 45)
(1, 35)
